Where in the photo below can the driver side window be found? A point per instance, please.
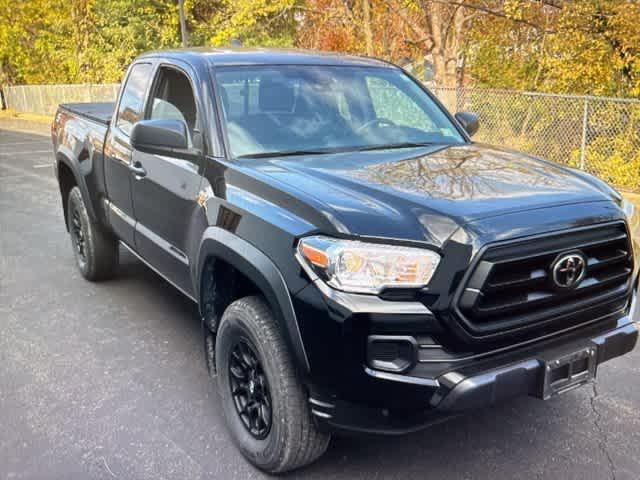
(390, 103)
(173, 99)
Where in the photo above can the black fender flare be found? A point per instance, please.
(255, 265)
(62, 157)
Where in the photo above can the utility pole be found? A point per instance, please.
(368, 34)
(183, 23)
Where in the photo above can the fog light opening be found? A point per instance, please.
(391, 353)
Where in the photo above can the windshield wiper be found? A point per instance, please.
(287, 153)
(326, 151)
(395, 145)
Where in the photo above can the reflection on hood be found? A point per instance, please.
(469, 173)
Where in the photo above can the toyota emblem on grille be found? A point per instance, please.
(568, 270)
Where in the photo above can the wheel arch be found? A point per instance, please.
(219, 245)
(69, 177)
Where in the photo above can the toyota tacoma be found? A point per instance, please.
(359, 263)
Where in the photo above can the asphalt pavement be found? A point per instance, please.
(107, 380)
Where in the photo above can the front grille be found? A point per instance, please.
(510, 287)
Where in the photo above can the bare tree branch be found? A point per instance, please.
(490, 11)
(422, 34)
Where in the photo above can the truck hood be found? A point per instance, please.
(427, 193)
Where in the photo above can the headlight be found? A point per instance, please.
(359, 267)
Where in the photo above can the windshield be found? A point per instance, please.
(271, 110)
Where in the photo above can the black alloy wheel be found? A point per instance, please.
(250, 389)
(78, 237)
(94, 248)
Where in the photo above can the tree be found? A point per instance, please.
(435, 29)
(34, 36)
(253, 22)
(122, 29)
(576, 46)
(360, 27)
(71, 41)
(587, 46)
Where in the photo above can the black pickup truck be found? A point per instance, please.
(360, 265)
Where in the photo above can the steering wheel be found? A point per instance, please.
(380, 122)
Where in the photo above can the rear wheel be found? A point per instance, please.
(95, 250)
(265, 405)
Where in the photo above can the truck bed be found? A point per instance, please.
(98, 112)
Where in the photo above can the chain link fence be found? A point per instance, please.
(44, 99)
(596, 134)
(599, 135)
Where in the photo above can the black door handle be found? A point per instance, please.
(138, 169)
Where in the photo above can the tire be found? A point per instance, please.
(95, 250)
(292, 440)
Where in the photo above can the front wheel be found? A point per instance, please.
(264, 402)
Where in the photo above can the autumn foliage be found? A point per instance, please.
(574, 46)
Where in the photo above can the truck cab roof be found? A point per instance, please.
(232, 56)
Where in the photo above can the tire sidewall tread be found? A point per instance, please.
(101, 248)
(294, 440)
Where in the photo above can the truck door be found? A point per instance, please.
(164, 198)
(117, 151)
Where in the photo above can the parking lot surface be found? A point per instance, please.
(107, 380)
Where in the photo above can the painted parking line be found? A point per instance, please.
(16, 171)
(28, 152)
(18, 150)
(10, 144)
(21, 139)
(46, 165)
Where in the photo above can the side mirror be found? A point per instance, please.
(159, 136)
(469, 122)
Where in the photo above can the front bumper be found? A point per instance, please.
(458, 392)
(478, 385)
